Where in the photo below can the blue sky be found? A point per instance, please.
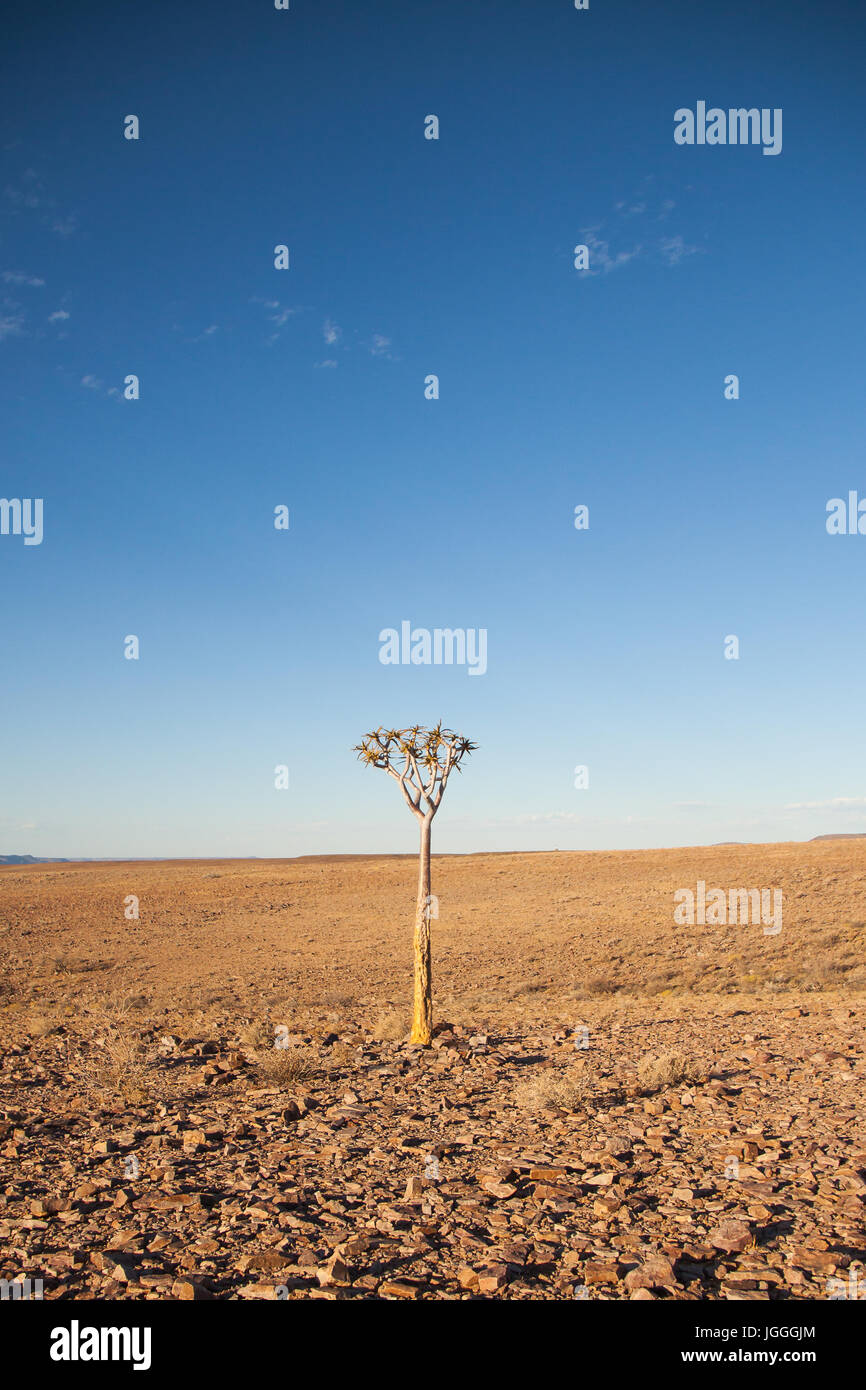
(305, 387)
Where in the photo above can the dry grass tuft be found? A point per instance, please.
(9, 989)
(337, 1000)
(553, 1090)
(601, 984)
(340, 1054)
(255, 1035)
(119, 1066)
(390, 1026)
(284, 1066)
(664, 1069)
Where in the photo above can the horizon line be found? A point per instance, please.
(29, 861)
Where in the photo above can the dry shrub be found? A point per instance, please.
(828, 959)
(390, 1026)
(9, 989)
(205, 998)
(656, 1070)
(553, 1089)
(340, 1054)
(283, 1066)
(65, 965)
(659, 982)
(336, 1000)
(481, 998)
(528, 987)
(77, 965)
(601, 984)
(119, 1066)
(255, 1035)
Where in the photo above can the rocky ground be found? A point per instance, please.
(699, 1140)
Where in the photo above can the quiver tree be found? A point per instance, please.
(421, 760)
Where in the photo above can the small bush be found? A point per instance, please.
(553, 1089)
(529, 987)
(390, 1026)
(337, 1000)
(283, 1066)
(601, 984)
(663, 1069)
(119, 1065)
(255, 1035)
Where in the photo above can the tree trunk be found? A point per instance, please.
(422, 1017)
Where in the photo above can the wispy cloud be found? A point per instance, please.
(12, 823)
(188, 337)
(278, 314)
(605, 239)
(282, 315)
(65, 226)
(331, 332)
(541, 818)
(834, 803)
(94, 383)
(10, 325)
(552, 818)
(674, 248)
(328, 362)
(20, 277)
(59, 316)
(601, 262)
(380, 346)
(29, 192)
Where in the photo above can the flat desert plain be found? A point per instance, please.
(215, 1100)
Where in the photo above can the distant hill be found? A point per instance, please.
(852, 835)
(29, 859)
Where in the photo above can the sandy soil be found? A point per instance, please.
(616, 1106)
